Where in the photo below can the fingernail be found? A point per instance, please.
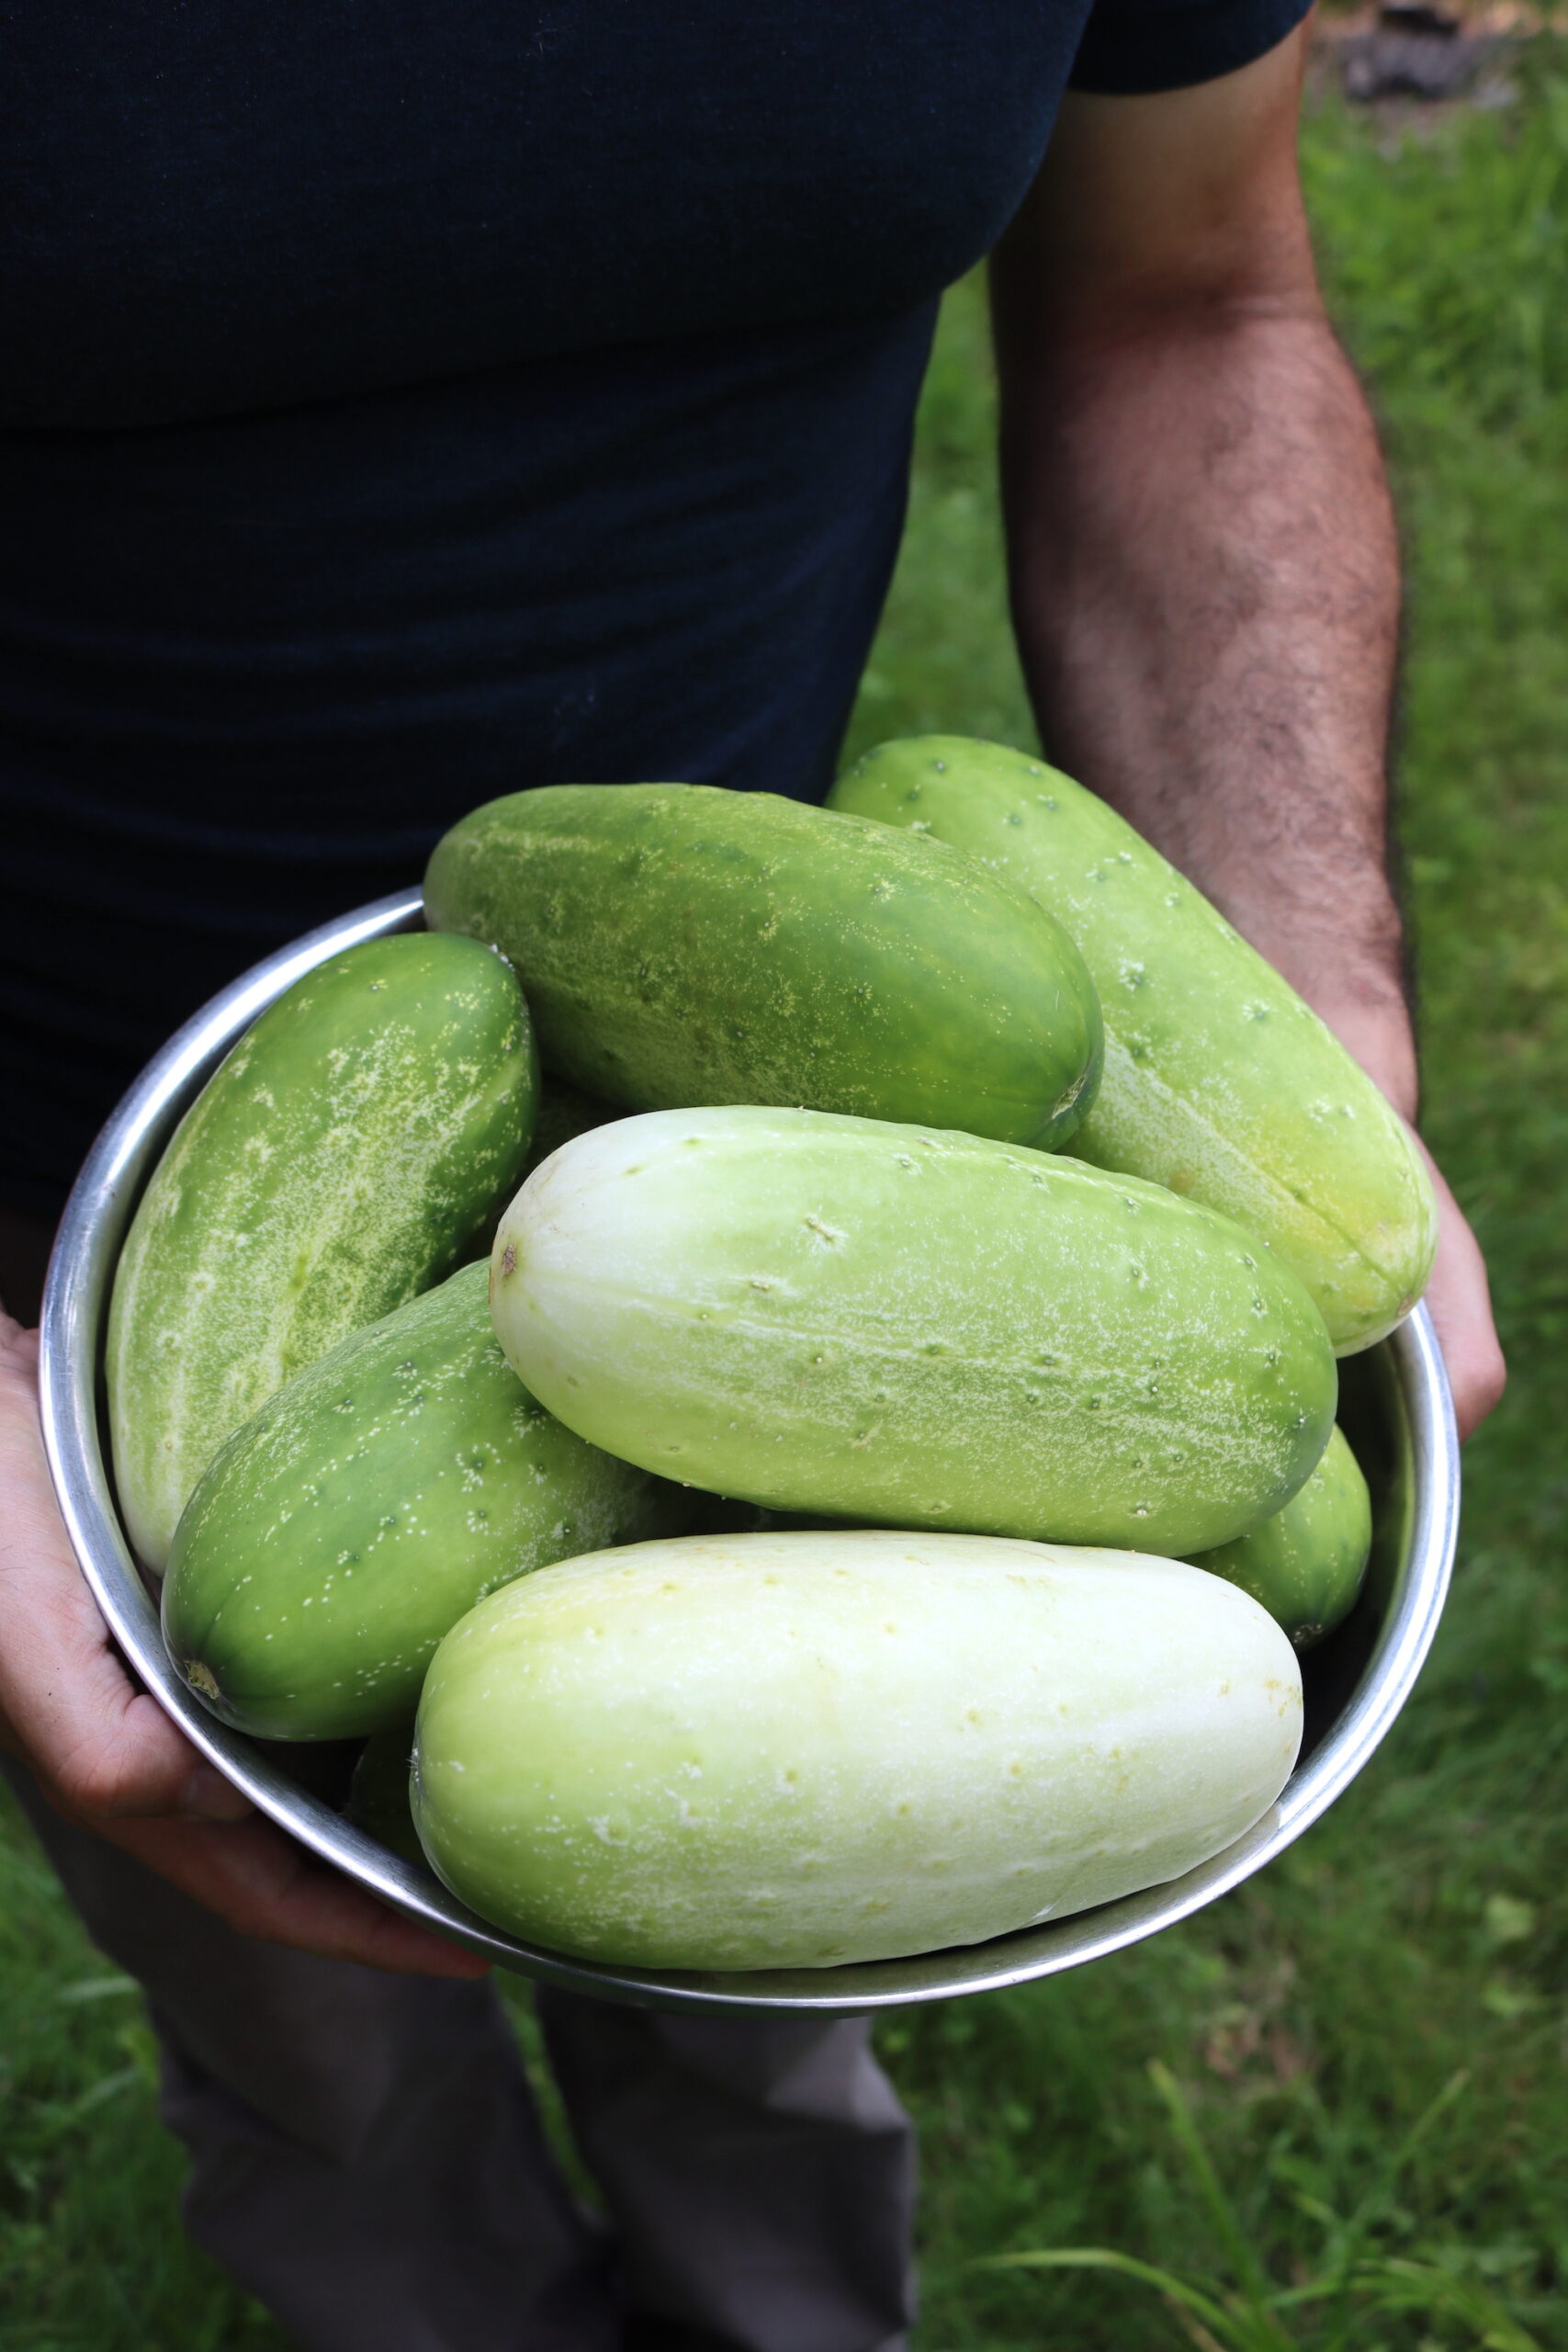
(207, 1796)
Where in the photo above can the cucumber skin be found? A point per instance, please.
(1306, 1565)
(912, 1327)
(370, 1503)
(344, 1155)
(799, 1750)
(1219, 1081)
(680, 945)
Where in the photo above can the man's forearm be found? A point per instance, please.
(1205, 574)
(1205, 591)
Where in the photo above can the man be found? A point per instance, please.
(362, 511)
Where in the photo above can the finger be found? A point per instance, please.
(98, 1748)
(1460, 1301)
(265, 1885)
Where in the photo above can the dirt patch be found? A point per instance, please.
(1410, 63)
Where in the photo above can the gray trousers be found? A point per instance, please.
(366, 2161)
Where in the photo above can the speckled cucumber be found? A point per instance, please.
(793, 1750)
(1306, 1565)
(684, 944)
(366, 1507)
(358, 1139)
(1219, 1081)
(913, 1327)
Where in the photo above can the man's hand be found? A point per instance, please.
(108, 1757)
(1378, 1034)
(1203, 554)
(1460, 1302)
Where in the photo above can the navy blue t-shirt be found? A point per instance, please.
(400, 406)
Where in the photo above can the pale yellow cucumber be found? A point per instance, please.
(914, 1327)
(794, 1750)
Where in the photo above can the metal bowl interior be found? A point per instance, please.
(1396, 1403)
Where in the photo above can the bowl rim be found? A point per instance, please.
(75, 1311)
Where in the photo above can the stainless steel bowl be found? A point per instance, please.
(1396, 1399)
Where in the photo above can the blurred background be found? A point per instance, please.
(1333, 2110)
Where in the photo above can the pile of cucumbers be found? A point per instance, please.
(868, 1490)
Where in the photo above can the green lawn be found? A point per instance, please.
(1415, 1941)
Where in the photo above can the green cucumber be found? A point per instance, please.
(1306, 1565)
(1219, 1081)
(353, 1146)
(366, 1507)
(797, 1750)
(682, 945)
(913, 1327)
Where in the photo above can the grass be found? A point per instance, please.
(1403, 1967)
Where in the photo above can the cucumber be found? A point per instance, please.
(366, 1507)
(794, 1750)
(353, 1146)
(913, 1327)
(681, 944)
(1306, 1565)
(1219, 1081)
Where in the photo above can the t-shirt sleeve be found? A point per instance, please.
(1140, 45)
